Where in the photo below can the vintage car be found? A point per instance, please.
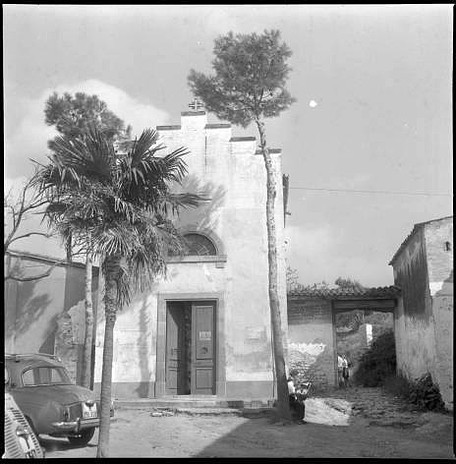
(51, 402)
(20, 441)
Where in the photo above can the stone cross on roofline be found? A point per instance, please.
(196, 105)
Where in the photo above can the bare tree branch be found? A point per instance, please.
(28, 235)
(17, 210)
(46, 273)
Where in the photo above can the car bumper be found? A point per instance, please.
(76, 426)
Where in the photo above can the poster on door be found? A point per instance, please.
(205, 335)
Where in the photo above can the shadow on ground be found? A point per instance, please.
(334, 430)
(51, 444)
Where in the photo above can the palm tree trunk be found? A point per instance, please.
(274, 302)
(87, 356)
(108, 350)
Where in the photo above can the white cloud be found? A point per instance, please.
(133, 112)
(29, 138)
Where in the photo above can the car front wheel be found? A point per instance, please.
(82, 438)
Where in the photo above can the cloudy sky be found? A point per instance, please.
(367, 145)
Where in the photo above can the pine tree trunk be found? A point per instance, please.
(87, 356)
(274, 302)
(108, 350)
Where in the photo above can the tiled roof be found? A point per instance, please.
(416, 227)
(334, 293)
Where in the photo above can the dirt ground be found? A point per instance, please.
(358, 422)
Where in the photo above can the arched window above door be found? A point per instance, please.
(198, 245)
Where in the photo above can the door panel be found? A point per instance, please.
(175, 367)
(203, 344)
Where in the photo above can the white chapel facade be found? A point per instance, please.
(205, 329)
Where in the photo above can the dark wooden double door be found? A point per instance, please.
(190, 348)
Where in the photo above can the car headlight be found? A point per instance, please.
(22, 431)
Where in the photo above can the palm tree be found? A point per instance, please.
(125, 205)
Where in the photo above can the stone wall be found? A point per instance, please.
(311, 339)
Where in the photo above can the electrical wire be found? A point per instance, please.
(382, 192)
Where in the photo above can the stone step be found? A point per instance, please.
(191, 402)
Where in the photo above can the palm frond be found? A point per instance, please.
(117, 206)
(144, 147)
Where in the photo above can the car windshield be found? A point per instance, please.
(45, 376)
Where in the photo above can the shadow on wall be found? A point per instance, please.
(143, 351)
(205, 216)
(27, 308)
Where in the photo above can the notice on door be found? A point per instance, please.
(205, 335)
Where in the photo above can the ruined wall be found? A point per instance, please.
(311, 340)
(424, 316)
(69, 340)
(227, 170)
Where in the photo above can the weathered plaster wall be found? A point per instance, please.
(424, 316)
(439, 252)
(228, 171)
(47, 315)
(415, 345)
(32, 307)
(311, 340)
